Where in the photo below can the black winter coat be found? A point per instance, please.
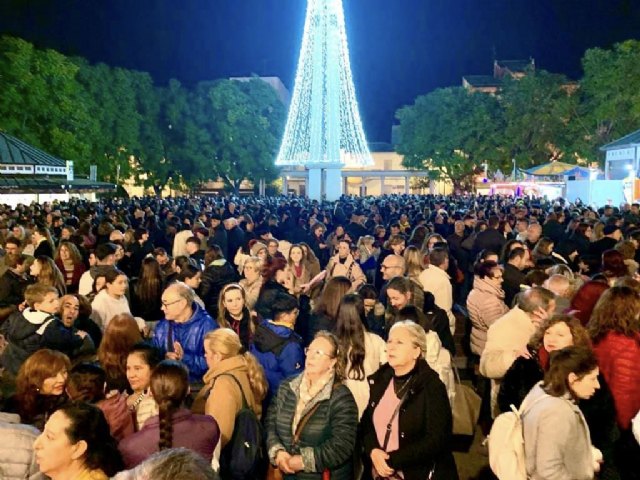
(425, 423)
(214, 278)
(330, 432)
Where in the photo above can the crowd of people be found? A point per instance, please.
(154, 338)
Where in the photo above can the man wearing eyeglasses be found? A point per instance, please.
(392, 266)
(180, 335)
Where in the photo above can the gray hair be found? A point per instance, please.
(417, 333)
(184, 291)
(535, 297)
(171, 464)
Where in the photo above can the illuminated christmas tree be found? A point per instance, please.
(324, 131)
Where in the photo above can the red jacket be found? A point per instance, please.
(619, 362)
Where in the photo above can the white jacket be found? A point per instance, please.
(439, 359)
(437, 281)
(375, 355)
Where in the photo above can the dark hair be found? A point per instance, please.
(169, 386)
(112, 274)
(213, 253)
(350, 333)
(182, 261)
(577, 360)
(329, 300)
(86, 383)
(188, 271)
(517, 252)
(104, 250)
(613, 264)
(486, 268)
(400, 284)
(438, 256)
(151, 355)
(87, 423)
(368, 292)
(283, 303)
(149, 287)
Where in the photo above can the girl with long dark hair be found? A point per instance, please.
(146, 291)
(363, 352)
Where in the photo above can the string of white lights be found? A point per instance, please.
(324, 126)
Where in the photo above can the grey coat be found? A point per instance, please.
(17, 461)
(557, 443)
(327, 440)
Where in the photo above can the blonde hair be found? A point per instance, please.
(417, 333)
(413, 261)
(226, 343)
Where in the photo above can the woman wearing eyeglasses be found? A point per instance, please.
(407, 426)
(312, 422)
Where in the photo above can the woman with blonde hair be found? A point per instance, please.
(234, 314)
(45, 271)
(234, 380)
(68, 259)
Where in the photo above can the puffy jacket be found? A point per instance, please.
(618, 359)
(23, 332)
(485, 305)
(17, 458)
(328, 438)
(439, 359)
(279, 351)
(190, 335)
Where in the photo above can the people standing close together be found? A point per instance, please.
(325, 329)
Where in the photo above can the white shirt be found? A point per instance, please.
(437, 281)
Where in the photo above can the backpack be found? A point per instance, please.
(506, 444)
(244, 456)
(266, 340)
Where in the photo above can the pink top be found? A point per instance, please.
(381, 416)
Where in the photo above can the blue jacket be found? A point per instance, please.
(280, 352)
(190, 335)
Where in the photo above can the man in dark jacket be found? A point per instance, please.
(217, 234)
(235, 237)
(276, 346)
(612, 235)
(61, 334)
(355, 229)
(513, 277)
(490, 239)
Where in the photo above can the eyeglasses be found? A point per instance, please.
(315, 353)
(168, 304)
(384, 267)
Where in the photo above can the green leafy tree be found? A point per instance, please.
(41, 101)
(248, 122)
(451, 132)
(538, 110)
(610, 91)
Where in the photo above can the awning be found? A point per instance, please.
(33, 184)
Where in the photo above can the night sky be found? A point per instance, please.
(399, 48)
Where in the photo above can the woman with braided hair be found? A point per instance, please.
(174, 426)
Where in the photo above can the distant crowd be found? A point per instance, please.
(279, 337)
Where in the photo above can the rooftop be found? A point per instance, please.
(628, 140)
(16, 152)
(482, 81)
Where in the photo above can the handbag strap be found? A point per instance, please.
(303, 421)
(387, 435)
